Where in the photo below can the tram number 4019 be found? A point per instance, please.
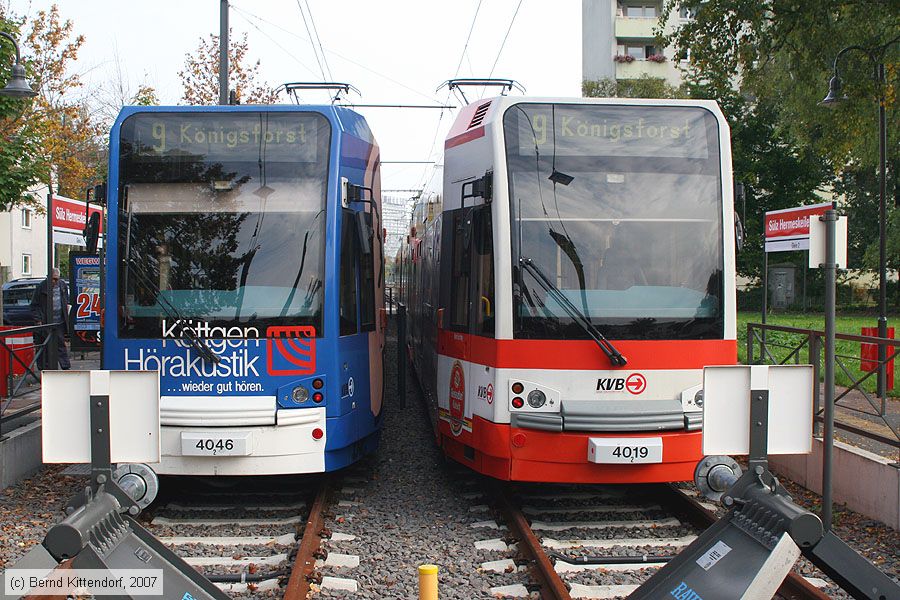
(625, 450)
(631, 452)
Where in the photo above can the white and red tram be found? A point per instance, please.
(569, 283)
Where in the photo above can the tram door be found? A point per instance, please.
(361, 392)
(467, 298)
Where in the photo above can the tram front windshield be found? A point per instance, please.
(221, 220)
(620, 208)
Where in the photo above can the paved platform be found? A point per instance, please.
(20, 437)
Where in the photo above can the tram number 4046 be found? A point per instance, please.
(212, 444)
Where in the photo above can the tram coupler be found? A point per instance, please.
(100, 535)
(748, 552)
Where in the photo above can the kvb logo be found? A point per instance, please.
(291, 350)
(634, 383)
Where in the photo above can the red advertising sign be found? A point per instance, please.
(457, 398)
(69, 215)
(788, 229)
(869, 355)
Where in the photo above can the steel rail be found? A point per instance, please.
(875, 437)
(298, 584)
(552, 585)
(794, 587)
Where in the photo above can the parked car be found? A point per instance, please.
(17, 301)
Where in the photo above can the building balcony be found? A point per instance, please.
(638, 68)
(635, 27)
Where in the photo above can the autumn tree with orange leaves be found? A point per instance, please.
(200, 77)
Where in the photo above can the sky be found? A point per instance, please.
(393, 51)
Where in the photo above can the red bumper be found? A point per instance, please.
(514, 454)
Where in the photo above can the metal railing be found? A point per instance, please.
(779, 345)
(11, 353)
(391, 299)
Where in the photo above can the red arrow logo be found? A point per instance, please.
(636, 383)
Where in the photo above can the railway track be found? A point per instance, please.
(598, 542)
(260, 543)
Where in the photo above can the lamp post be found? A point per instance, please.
(832, 99)
(18, 87)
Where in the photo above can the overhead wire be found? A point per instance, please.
(319, 40)
(468, 38)
(274, 41)
(503, 43)
(426, 178)
(311, 42)
(246, 14)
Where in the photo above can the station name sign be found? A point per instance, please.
(226, 137)
(788, 229)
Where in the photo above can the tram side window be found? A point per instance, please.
(484, 271)
(367, 285)
(348, 274)
(461, 221)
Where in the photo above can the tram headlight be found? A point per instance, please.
(536, 398)
(518, 388)
(300, 394)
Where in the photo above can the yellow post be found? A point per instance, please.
(428, 582)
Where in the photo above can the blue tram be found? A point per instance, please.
(245, 264)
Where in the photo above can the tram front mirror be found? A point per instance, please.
(92, 233)
(99, 193)
(740, 198)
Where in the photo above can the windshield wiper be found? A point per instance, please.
(614, 356)
(186, 333)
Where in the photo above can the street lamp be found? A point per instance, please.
(17, 86)
(832, 99)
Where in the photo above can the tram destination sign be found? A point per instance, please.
(621, 131)
(788, 229)
(227, 137)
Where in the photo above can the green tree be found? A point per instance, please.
(200, 76)
(21, 155)
(783, 51)
(54, 132)
(643, 87)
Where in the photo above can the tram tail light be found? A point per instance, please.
(318, 397)
(518, 388)
(317, 433)
(317, 384)
(518, 402)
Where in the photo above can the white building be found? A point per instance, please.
(618, 40)
(23, 241)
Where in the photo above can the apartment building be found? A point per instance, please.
(618, 40)
(23, 241)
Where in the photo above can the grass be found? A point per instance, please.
(781, 344)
